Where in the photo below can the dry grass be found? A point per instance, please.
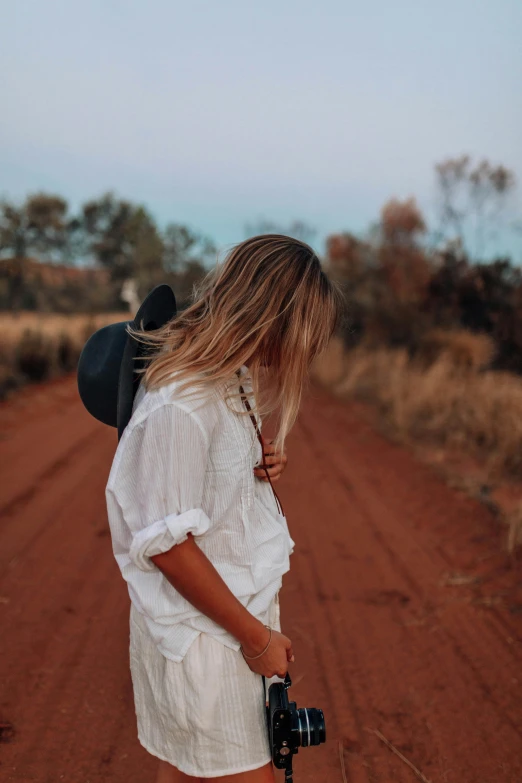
(444, 402)
(478, 412)
(36, 346)
(447, 402)
(12, 325)
(460, 348)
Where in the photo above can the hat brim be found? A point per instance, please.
(156, 310)
(99, 371)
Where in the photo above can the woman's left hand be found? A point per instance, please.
(275, 463)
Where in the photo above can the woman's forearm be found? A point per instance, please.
(192, 574)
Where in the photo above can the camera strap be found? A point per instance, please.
(260, 439)
(288, 770)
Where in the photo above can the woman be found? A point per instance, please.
(197, 531)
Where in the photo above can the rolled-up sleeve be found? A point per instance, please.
(160, 481)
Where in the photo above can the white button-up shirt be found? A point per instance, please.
(185, 464)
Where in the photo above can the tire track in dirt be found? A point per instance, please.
(35, 437)
(15, 504)
(351, 664)
(66, 686)
(392, 557)
(381, 641)
(400, 563)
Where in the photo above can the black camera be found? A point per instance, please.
(290, 728)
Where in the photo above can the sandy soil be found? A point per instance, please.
(405, 615)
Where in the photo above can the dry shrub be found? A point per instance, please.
(462, 349)
(34, 355)
(37, 346)
(480, 413)
(67, 352)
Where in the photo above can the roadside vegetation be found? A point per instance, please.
(447, 401)
(443, 399)
(39, 346)
(432, 337)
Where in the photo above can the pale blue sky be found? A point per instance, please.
(220, 113)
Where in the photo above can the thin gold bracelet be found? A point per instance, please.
(253, 657)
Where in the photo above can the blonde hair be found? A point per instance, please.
(269, 306)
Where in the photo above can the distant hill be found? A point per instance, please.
(49, 273)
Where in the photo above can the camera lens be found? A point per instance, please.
(311, 726)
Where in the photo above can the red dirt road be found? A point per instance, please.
(405, 617)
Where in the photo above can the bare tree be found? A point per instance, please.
(472, 198)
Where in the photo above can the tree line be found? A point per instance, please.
(112, 234)
(401, 279)
(402, 283)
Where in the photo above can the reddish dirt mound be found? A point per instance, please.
(405, 615)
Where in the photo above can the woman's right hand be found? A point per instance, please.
(273, 662)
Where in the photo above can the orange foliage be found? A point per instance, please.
(343, 254)
(406, 268)
(401, 221)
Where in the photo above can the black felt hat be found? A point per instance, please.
(107, 377)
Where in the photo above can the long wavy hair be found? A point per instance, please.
(269, 306)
